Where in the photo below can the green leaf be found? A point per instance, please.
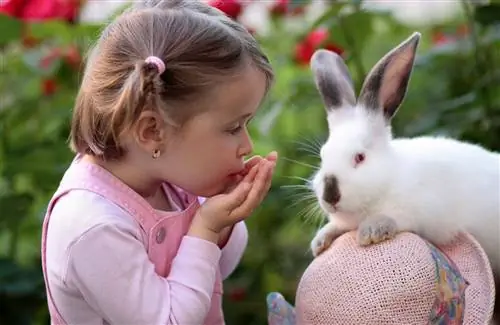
(358, 24)
(298, 3)
(329, 16)
(11, 29)
(33, 59)
(53, 29)
(488, 15)
(15, 280)
(15, 207)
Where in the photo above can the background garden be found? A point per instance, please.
(454, 91)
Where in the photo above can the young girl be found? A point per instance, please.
(159, 122)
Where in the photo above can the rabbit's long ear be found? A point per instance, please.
(332, 79)
(386, 85)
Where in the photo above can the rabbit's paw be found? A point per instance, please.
(376, 230)
(324, 238)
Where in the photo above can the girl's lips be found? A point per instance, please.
(242, 172)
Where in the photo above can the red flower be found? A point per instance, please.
(29, 41)
(439, 38)
(49, 86)
(463, 30)
(282, 7)
(316, 39)
(48, 59)
(232, 8)
(317, 36)
(334, 48)
(72, 57)
(238, 294)
(39, 10)
(303, 53)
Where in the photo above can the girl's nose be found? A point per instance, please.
(246, 147)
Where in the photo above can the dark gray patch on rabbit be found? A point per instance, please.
(332, 79)
(331, 193)
(331, 92)
(369, 94)
(386, 86)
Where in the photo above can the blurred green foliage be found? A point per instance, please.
(454, 91)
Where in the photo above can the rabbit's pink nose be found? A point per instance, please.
(331, 193)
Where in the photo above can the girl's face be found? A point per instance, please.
(204, 157)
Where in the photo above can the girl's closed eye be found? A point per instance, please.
(238, 127)
(235, 130)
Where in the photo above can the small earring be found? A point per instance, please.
(156, 153)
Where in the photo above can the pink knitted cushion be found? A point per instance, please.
(403, 281)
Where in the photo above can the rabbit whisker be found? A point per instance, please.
(310, 211)
(295, 186)
(307, 181)
(300, 163)
(308, 147)
(314, 141)
(298, 193)
(303, 199)
(297, 196)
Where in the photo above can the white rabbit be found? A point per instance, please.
(432, 186)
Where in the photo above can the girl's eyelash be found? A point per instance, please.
(235, 130)
(238, 128)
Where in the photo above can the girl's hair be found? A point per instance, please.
(200, 47)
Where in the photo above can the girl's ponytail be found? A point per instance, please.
(99, 134)
(140, 92)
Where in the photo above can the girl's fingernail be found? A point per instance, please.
(272, 156)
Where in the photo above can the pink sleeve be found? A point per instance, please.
(111, 269)
(234, 248)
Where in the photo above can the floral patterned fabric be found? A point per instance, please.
(449, 306)
(280, 312)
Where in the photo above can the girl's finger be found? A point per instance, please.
(272, 156)
(268, 182)
(233, 200)
(237, 196)
(249, 164)
(239, 179)
(250, 176)
(252, 199)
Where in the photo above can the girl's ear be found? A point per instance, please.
(333, 80)
(150, 129)
(386, 85)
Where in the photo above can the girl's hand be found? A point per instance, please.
(226, 209)
(226, 232)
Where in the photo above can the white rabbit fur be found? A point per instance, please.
(432, 186)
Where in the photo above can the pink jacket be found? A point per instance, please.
(109, 257)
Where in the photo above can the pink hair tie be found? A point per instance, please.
(156, 61)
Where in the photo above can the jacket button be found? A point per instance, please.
(160, 235)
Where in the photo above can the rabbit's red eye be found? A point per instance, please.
(359, 158)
